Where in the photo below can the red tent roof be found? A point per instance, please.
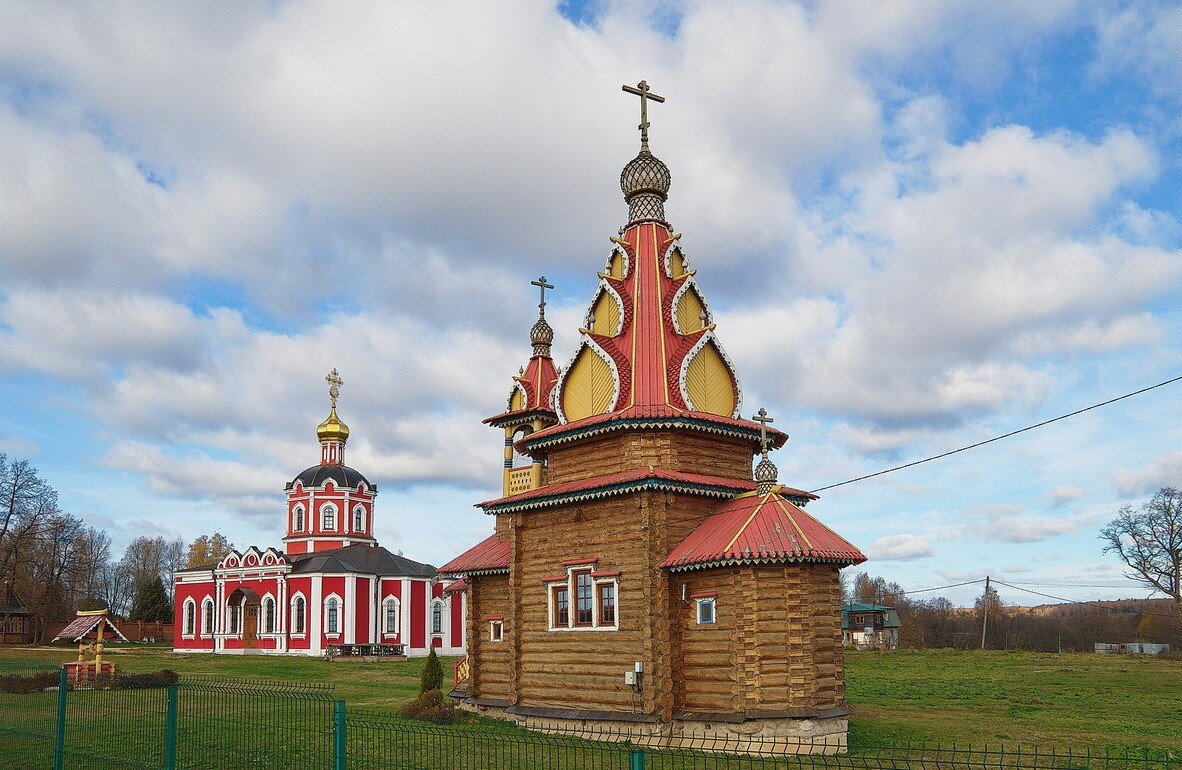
(489, 555)
(536, 382)
(753, 529)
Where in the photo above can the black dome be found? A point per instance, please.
(341, 475)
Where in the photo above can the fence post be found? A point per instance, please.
(170, 730)
(635, 759)
(59, 740)
(338, 735)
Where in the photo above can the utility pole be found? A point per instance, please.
(985, 606)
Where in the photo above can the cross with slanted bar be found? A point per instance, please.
(641, 89)
(542, 286)
(334, 387)
(763, 420)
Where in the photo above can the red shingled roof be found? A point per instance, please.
(752, 529)
(489, 555)
(724, 486)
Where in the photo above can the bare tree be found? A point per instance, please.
(1150, 542)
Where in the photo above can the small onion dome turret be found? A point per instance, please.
(645, 182)
(541, 336)
(332, 429)
(765, 476)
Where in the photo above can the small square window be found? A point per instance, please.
(705, 611)
(496, 631)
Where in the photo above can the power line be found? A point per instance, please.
(997, 438)
(1077, 601)
(937, 588)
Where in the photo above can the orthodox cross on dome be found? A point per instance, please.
(765, 472)
(763, 420)
(334, 386)
(542, 286)
(641, 89)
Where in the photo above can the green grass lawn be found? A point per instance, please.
(1011, 698)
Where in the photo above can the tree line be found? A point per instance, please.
(58, 564)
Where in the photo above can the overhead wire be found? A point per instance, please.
(997, 438)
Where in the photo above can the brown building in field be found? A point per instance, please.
(639, 577)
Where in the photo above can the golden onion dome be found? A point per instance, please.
(332, 429)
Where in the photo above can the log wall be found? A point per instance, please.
(775, 645)
(675, 450)
(489, 661)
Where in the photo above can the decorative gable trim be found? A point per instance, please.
(613, 490)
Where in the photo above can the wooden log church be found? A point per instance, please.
(639, 577)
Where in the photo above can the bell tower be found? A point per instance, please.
(528, 409)
(329, 505)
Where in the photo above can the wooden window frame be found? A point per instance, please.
(496, 631)
(599, 587)
(699, 604)
(556, 623)
(570, 585)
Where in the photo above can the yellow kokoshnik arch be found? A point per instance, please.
(690, 311)
(589, 387)
(709, 386)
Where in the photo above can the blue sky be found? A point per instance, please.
(920, 224)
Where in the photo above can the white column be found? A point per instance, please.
(315, 615)
(350, 622)
(404, 626)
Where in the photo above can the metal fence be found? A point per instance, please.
(162, 721)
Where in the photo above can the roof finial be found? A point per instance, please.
(641, 89)
(332, 429)
(645, 180)
(334, 386)
(766, 472)
(541, 335)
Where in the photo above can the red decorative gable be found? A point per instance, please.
(753, 529)
(489, 555)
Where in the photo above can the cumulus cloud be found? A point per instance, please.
(1008, 523)
(1162, 471)
(900, 548)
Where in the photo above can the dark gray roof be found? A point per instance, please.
(361, 558)
(341, 475)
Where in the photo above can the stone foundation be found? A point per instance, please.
(770, 736)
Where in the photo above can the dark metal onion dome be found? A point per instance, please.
(542, 336)
(341, 475)
(645, 182)
(766, 474)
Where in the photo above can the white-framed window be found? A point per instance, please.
(297, 519)
(190, 627)
(583, 599)
(268, 615)
(328, 517)
(299, 611)
(437, 617)
(705, 609)
(392, 612)
(496, 630)
(332, 615)
(359, 519)
(207, 617)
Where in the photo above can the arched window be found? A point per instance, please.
(207, 617)
(359, 519)
(328, 518)
(298, 606)
(297, 524)
(190, 617)
(391, 610)
(268, 615)
(437, 617)
(520, 460)
(234, 618)
(332, 615)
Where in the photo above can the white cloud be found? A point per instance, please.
(1063, 495)
(1008, 523)
(1163, 471)
(900, 548)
